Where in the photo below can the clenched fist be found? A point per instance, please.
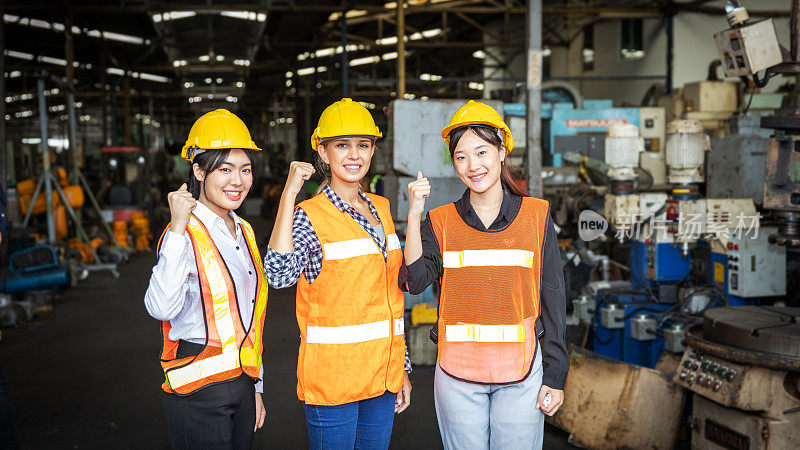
(181, 205)
(418, 191)
(299, 172)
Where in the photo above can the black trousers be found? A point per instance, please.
(221, 416)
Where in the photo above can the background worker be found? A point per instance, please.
(209, 292)
(341, 249)
(496, 253)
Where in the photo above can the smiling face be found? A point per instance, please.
(477, 162)
(348, 156)
(225, 188)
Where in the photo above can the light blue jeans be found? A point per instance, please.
(483, 416)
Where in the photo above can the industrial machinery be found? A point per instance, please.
(743, 364)
(746, 49)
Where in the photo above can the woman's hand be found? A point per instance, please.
(299, 172)
(556, 399)
(404, 396)
(261, 412)
(418, 191)
(181, 205)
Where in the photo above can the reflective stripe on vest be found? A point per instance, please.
(357, 247)
(351, 334)
(484, 333)
(475, 258)
(211, 366)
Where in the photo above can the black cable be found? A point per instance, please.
(602, 341)
(752, 91)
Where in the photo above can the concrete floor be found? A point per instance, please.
(87, 375)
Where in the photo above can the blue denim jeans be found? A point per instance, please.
(483, 417)
(365, 424)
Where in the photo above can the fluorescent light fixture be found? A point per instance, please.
(387, 41)
(365, 60)
(219, 58)
(14, 74)
(207, 80)
(429, 77)
(546, 52)
(289, 120)
(151, 77)
(409, 96)
(289, 74)
(31, 140)
(303, 56)
(232, 99)
(367, 105)
(241, 62)
(142, 76)
(204, 58)
(219, 80)
(179, 62)
(28, 96)
(172, 15)
(21, 114)
(56, 108)
(390, 55)
(322, 69)
(432, 33)
(325, 52)
(245, 15)
(51, 60)
(239, 84)
(119, 37)
(305, 71)
(480, 54)
(59, 27)
(476, 86)
(20, 55)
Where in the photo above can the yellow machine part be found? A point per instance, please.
(74, 196)
(86, 251)
(424, 313)
(141, 231)
(60, 218)
(120, 229)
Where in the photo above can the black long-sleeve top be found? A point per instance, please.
(422, 272)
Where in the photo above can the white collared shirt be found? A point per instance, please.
(174, 290)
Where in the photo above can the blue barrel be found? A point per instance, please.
(56, 277)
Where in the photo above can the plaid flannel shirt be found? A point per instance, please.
(284, 269)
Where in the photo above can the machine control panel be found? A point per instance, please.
(755, 267)
(709, 376)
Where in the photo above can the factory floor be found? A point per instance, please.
(86, 375)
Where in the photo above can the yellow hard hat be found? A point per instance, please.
(217, 130)
(344, 118)
(477, 113)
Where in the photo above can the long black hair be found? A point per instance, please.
(488, 134)
(209, 161)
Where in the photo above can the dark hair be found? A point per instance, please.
(488, 134)
(209, 161)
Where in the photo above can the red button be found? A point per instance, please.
(736, 247)
(730, 245)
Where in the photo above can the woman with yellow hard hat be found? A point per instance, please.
(209, 291)
(496, 253)
(341, 249)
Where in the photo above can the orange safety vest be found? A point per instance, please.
(230, 349)
(489, 301)
(352, 345)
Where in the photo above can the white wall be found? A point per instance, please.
(693, 50)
